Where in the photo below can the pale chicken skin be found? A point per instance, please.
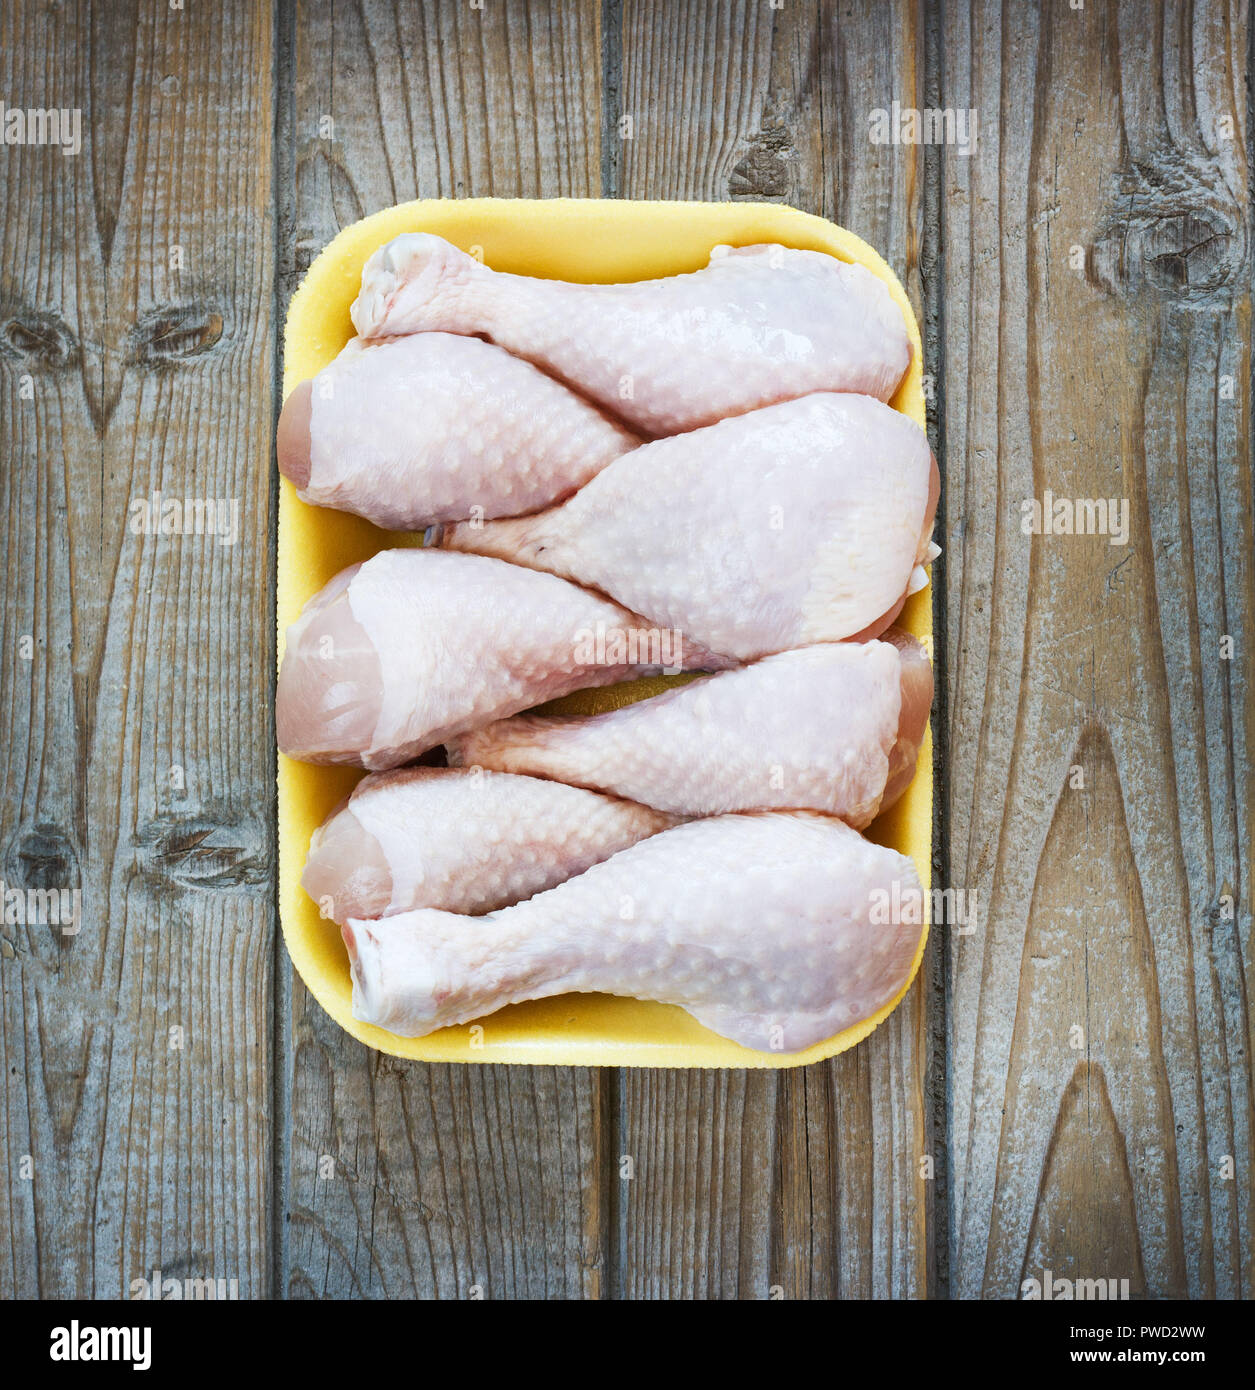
(464, 841)
(799, 523)
(413, 647)
(759, 324)
(435, 427)
(770, 930)
(833, 728)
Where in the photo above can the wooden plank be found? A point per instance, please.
(135, 356)
(439, 1181)
(806, 1183)
(1096, 342)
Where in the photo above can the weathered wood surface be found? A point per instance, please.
(136, 728)
(440, 1181)
(1094, 339)
(275, 1150)
(808, 1182)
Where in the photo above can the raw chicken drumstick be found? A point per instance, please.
(413, 647)
(434, 427)
(833, 728)
(799, 523)
(759, 324)
(768, 929)
(462, 841)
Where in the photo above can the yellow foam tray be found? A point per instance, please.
(591, 241)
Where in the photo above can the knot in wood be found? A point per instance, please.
(1173, 229)
(42, 857)
(204, 852)
(174, 334)
(38, 338)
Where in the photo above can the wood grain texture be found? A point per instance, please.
(1083, 277)
(1095, 341)
(443, 1181)
(136, 1062)
(806, 1183)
